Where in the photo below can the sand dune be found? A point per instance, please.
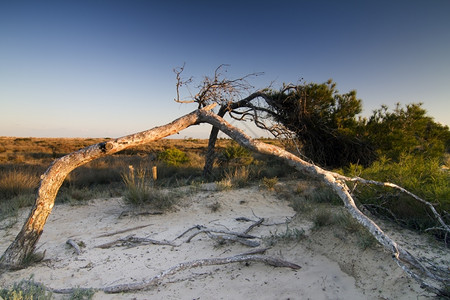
(332, 264)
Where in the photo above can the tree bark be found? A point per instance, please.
(24, 244)
(210, 156)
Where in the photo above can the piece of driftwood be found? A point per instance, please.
(251, 256)
(272, 261)
(132, 241)
(74, 245)
(255, 224)
(123, 231)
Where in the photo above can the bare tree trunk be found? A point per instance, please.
(210, 156)
(24, 244)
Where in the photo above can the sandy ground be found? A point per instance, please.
(332, 264)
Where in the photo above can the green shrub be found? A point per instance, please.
(236, 155)
(270, 183)
(26, 290)
(173, 157)
(419, 175)
(82, 294)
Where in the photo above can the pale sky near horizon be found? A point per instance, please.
(105, 68)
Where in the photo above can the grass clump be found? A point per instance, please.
(288, 235)
(237, 177)
(140, 190)
(17, 182)
(26, 289)
(270, 183)
(82, 294)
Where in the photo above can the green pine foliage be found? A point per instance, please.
(407, 130)
(173, 157)
(419, 175)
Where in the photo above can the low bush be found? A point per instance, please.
(421, 176)
(235, 155)
(26, 290)
(173, 157)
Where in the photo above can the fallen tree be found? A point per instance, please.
(434, 280)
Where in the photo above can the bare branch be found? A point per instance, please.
(272, 261)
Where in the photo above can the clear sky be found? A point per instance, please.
(105, 68)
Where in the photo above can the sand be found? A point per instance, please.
(333, 266)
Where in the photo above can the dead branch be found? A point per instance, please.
(272, 261)
(122, 231)
(252, 256)
(198, 227)
(256, 224)
(226, 236)
(74, 245)
(132, 241)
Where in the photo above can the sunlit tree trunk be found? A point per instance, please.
(24, 244)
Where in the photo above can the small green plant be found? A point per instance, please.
(82, 294)
(365, 239)
(235, 155)
(215, 206)
(173, 157)
(270, 183)
(288, 235)
(323, 217)
(26, 290)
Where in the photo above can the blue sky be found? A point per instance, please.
(105, 68)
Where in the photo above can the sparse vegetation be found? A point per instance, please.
(140, 189)
(180, 162)
(289, 235)
(26, 289)
(270, 183)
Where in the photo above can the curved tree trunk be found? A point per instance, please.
(24, 244)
